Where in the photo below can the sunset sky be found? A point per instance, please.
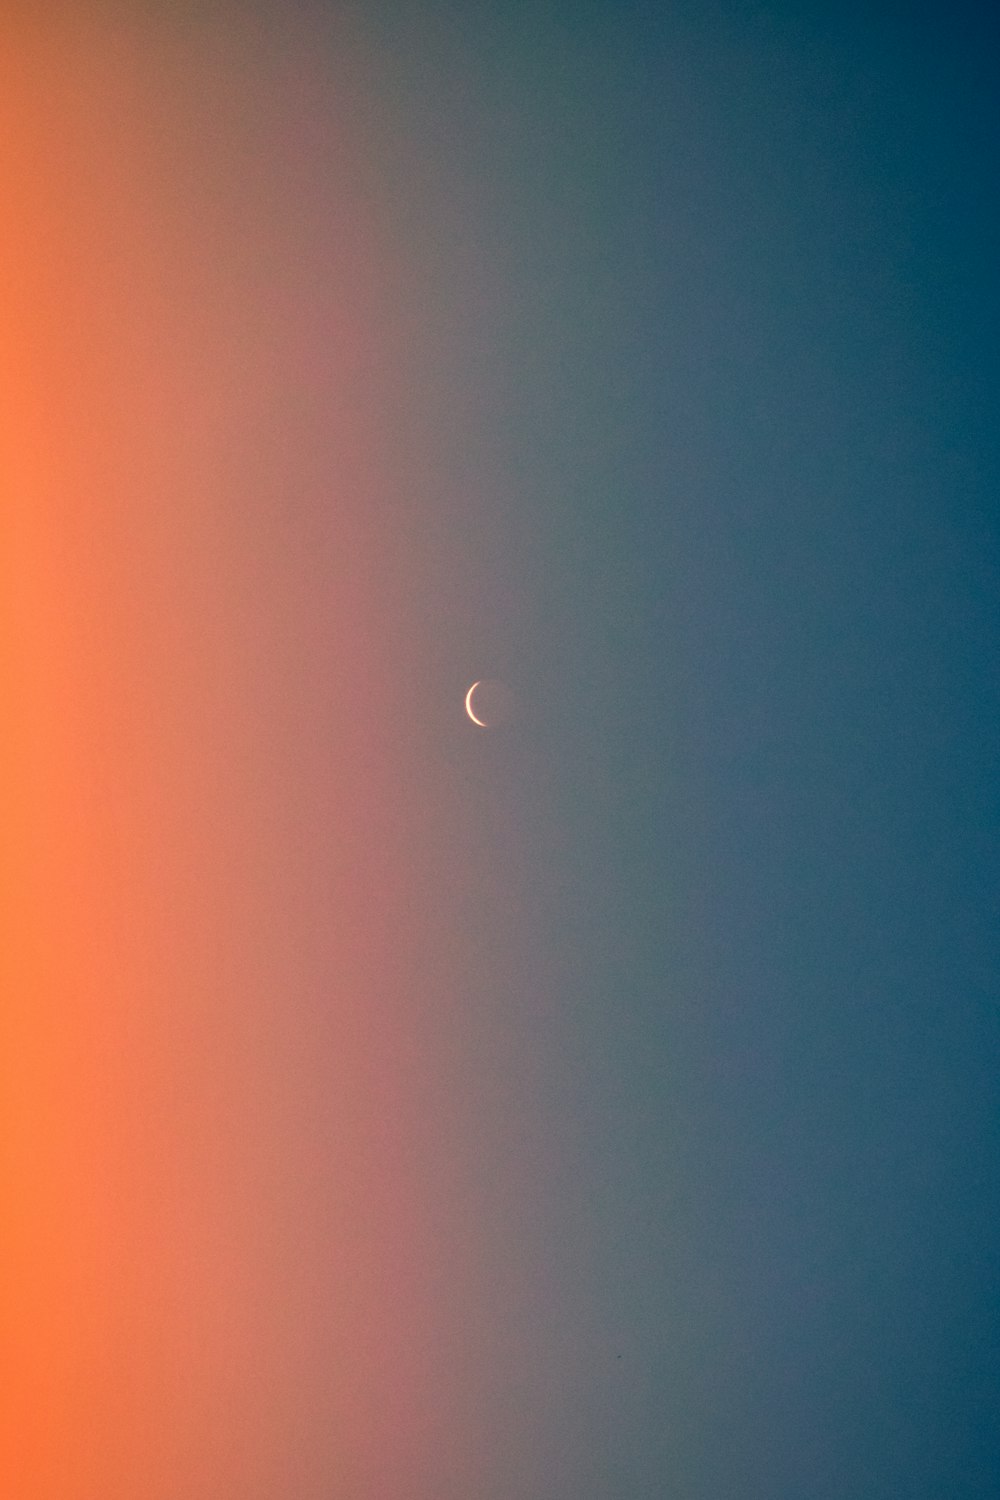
(603, 1106)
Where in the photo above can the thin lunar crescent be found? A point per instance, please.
(468, 706)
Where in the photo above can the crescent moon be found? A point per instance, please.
(468, 706)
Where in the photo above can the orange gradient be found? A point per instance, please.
(223, 1262)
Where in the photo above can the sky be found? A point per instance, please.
(602, 1106)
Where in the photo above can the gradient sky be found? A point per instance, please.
(604, 1107)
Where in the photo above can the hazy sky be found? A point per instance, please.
(604, 1107)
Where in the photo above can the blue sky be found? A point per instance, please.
(712, 334)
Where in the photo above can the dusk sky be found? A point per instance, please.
(601, 1106)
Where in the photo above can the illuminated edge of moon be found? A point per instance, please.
(468, 705)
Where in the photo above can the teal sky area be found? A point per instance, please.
(705, 324)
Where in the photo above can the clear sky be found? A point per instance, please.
(601, 1107)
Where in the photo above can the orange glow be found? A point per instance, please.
(206, 836)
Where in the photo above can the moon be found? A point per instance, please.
(469, 710)
(489, 702)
